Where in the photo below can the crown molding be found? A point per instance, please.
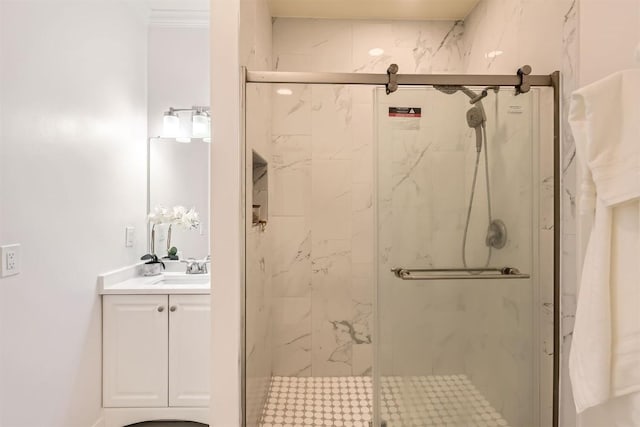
(179, 18)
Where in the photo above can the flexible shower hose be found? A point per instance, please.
(473, 190)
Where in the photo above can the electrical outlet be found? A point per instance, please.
(130, 236)
(10, 260)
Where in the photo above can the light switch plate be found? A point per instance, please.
(9, 260)
(130, 236)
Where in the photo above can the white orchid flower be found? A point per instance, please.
(178, 215)
(160, 215)
(178, 212)
(190, 220)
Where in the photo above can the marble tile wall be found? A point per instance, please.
(323, 266)
(322, 219)
(322, 142)
(259, 263)
(569, 287)
(480, 328)
(343, 46)
(514, 28)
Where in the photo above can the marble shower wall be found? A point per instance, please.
(569, 286)
(482, 329)
(259, 261)
(323, 272)
(322, 157)
(322, 221)
(543, 34)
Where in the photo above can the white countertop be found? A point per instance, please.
(130, 280)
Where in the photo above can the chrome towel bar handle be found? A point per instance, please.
(458, 273)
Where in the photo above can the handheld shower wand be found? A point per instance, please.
(476, 119)
(476, 116)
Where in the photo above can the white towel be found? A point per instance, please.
(605, 355)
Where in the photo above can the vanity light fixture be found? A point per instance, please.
(376, 51)
(170, 124)
(200, 123)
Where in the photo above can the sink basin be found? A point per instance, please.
(177, 279)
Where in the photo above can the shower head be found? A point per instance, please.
(476, 117)
(451, 89)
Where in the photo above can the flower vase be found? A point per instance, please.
(153, 239)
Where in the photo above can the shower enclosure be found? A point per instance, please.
(401, 251)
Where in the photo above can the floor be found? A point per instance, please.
(435, 400)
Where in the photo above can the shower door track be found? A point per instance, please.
(284, 77)
(521, 81)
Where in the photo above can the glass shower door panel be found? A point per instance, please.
(455, 352)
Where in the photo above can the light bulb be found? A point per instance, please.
(170, 125)
(493, 54)
(284, 91)
(200, 125)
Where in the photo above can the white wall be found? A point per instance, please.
(72, 174)
(238, 32)
(2, 35)
(240, 35)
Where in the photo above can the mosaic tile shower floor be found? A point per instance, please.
(434, 401)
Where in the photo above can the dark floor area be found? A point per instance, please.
(168, 424)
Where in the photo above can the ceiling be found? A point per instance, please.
(373, 9)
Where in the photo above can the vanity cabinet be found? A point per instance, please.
(155, 351)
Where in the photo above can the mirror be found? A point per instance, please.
(178, 167)
(179, 177)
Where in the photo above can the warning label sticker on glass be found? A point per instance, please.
(515, 109)
(405, 112)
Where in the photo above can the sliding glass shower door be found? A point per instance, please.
(399, 256)
(459, 216)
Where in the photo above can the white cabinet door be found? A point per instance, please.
(189, 332)
(135, 341)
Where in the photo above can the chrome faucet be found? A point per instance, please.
(196, 267)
